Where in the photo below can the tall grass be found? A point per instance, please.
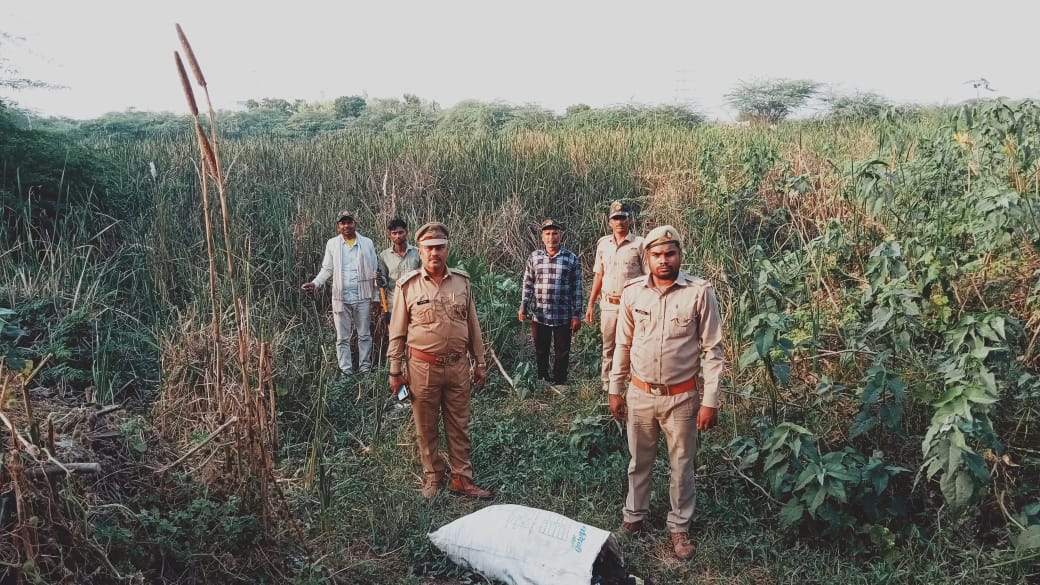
(742, 196)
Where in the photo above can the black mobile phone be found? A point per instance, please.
(403, 394)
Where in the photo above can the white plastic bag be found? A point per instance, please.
(524, 546)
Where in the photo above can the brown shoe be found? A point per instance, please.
(464, 486)
(682, 546)
(632, 528)
(430, 487)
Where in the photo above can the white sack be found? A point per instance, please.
(524, 546)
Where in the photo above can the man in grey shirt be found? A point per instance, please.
(397, 260)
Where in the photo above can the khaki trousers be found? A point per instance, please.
(441, 392)
(608, 313)
(648, 416)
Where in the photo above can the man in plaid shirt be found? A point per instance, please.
(552, 296)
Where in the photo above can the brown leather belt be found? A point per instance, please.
(665, 389)
(612, 299)
(432, 358)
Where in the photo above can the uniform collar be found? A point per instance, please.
(682, 280)
(426, 275)
(630, 236)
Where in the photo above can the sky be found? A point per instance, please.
(117, 54)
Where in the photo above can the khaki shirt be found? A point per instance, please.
(436, 319)
(618, 263)
(670, 337)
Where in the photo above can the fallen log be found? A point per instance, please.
(55, 470)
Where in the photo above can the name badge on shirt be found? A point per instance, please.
(422, 302)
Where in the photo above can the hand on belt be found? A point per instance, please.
(612, 299)
(432, 358)
(665, 389)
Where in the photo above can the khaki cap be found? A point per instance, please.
(664, 234)
(619, 209)
(432, 234)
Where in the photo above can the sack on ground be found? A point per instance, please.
(526, 546)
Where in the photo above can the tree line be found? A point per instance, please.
(762, 101)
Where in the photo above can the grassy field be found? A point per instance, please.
(879, 283)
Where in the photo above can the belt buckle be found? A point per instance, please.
(658, 389)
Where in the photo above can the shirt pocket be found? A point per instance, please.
(631, 262)
(680, 326)
(643, 324)
(422, 312)
(457, 311)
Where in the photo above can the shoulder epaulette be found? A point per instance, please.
(407, 276)
(460, 272)
(697, 281)
(637, 280)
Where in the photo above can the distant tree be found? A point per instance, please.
(135, 124)
(531, 117)
(418, 116)
(577, 109)
(771, 100)
(266, 116)
(310, 120)
(349, 106)
(856, 106)
(674, 116)
(278, 105)
(634, 117)
(391, 115)
(472, 116)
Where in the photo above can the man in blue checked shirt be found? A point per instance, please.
(552, 296)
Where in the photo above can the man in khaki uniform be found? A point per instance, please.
(669, 334)
(432, 329)
(619, 257)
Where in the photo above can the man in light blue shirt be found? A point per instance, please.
(350, 259)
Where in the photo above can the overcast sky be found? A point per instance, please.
(117, 54)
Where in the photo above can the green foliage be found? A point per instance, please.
(525, 377)
(349, 106)
(42, 179)
(78, 341)
(133, 124)
(496, 295)
(631, 117)
(881, 399)
(842, 492)
(770, 100)
(857, 106)
(190, 538)
(595, 435)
